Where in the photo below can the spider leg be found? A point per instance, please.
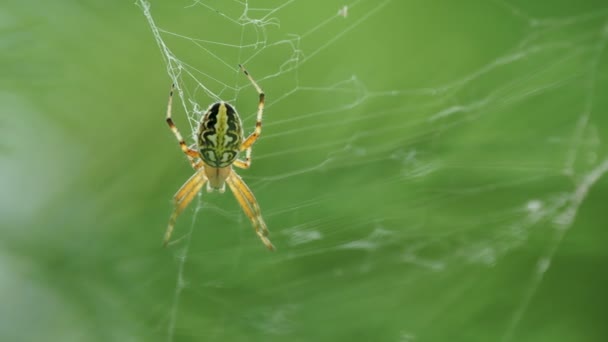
(243, 164)
(250, 206)
(246, 145)
(189, 152)
(250, 200)
(182, 198)
(196, 163)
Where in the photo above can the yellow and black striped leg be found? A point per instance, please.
(182, 198)
(250, 206)
(189, 152)
(258, 124)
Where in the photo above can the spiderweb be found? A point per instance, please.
(396, 158)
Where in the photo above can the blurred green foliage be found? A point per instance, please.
(430, 171)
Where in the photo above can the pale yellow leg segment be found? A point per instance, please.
(189, 152)
(251, 201)
(250, 206)
(258, 124)
(182, 198)
(196, 163)
(242, 164)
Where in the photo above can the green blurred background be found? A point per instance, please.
(429, 170)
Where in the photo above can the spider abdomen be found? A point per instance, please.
(220, 135)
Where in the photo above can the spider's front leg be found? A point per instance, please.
(192, 154)
(244, 164)
(248, 142)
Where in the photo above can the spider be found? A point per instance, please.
(219, 139)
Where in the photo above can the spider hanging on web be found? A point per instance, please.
(219, 139)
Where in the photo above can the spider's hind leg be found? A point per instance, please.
(250, 206)
(182, 198)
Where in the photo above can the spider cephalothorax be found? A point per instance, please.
(219, 140)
